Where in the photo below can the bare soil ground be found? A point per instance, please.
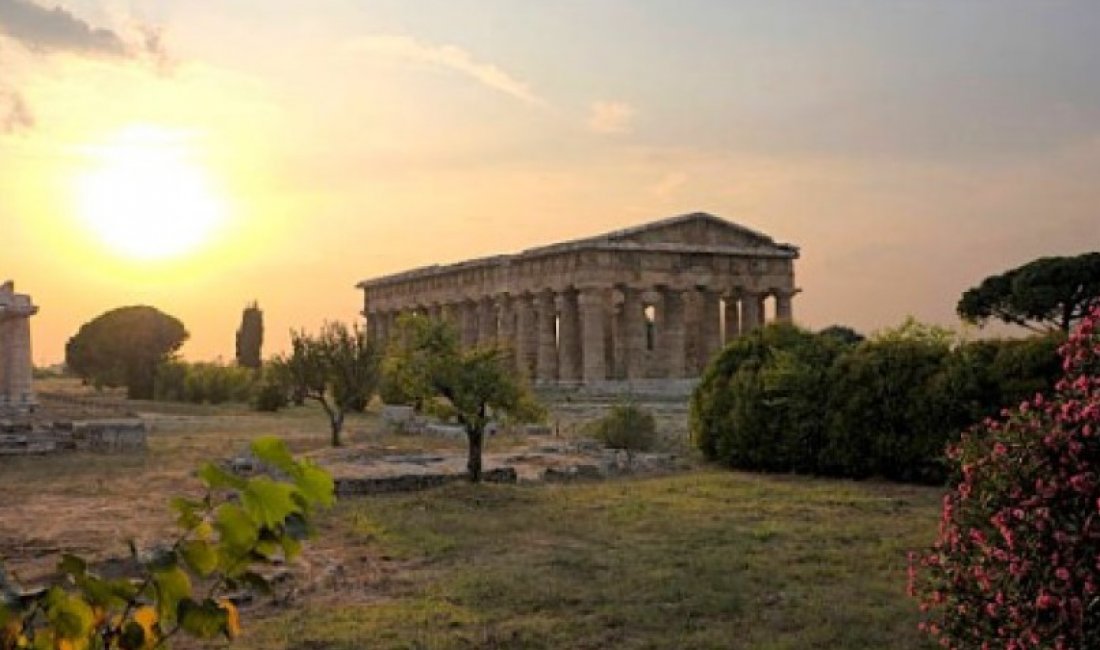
(703, 559)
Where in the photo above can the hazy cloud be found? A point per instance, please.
(44, 30)
(450, 57)
(56, 29)
(611, 117)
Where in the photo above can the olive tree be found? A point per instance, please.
(425, 361)
(338, 368)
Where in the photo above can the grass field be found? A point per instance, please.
(704, 559)
(709, 559)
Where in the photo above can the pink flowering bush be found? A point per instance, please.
(1017, 561)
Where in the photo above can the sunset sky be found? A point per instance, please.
(909, 148)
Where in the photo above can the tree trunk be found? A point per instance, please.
(473, 463)
(337, 421)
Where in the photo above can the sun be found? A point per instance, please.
(145, 196)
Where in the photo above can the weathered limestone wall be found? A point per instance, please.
(652, 302)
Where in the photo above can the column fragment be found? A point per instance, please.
(593, 316)
(710, 326)
(526, 336)
(547, 367)
(486, 321)
(752, 312)
(733, 318)
(569, 337)
(671, 330)
(633, 333)
(784, 310)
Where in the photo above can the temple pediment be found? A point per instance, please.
(696, 229)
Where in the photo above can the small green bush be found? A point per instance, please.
(628, 427)
(270, 397)
(203, 383)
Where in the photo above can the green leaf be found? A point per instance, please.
(102, 592)
(43, 640)
(72, 565)
(215, 477)
(237, 531)
(268, 549)
(315, 484)
(133, 637)
(291, 547)
(200, 556)
(69, 616)
(123, 589)
(273, 451)
(189, 512)
(172, 586)
(205, 620)
(269, 502)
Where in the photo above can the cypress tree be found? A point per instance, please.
(250, 337)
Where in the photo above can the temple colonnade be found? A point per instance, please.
(651, 302)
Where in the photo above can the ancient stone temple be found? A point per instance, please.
(653, 302)
(16, 363)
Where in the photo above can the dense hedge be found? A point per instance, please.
(212, 383)
(785, 399)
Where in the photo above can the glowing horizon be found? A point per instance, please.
(284, 158)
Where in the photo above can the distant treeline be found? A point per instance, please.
(784, 399)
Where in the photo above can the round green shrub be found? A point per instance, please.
(628, 427)
(760, 403)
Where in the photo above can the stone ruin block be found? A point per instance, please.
(110, 435)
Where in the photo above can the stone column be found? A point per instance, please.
(506, 330)
(526, 335)
(16, 360)
(372, 326)
(468, 323)
(784, 311)
(435, 312)
(733, 318)
(752, 311)
(569, 337)
(546, 369)
(5, 359)
(449, 313)
(710, 326)
(633, 333)
(383, 326)
(486, 321)
(671, 333)
(593, 316)
(20, 373)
